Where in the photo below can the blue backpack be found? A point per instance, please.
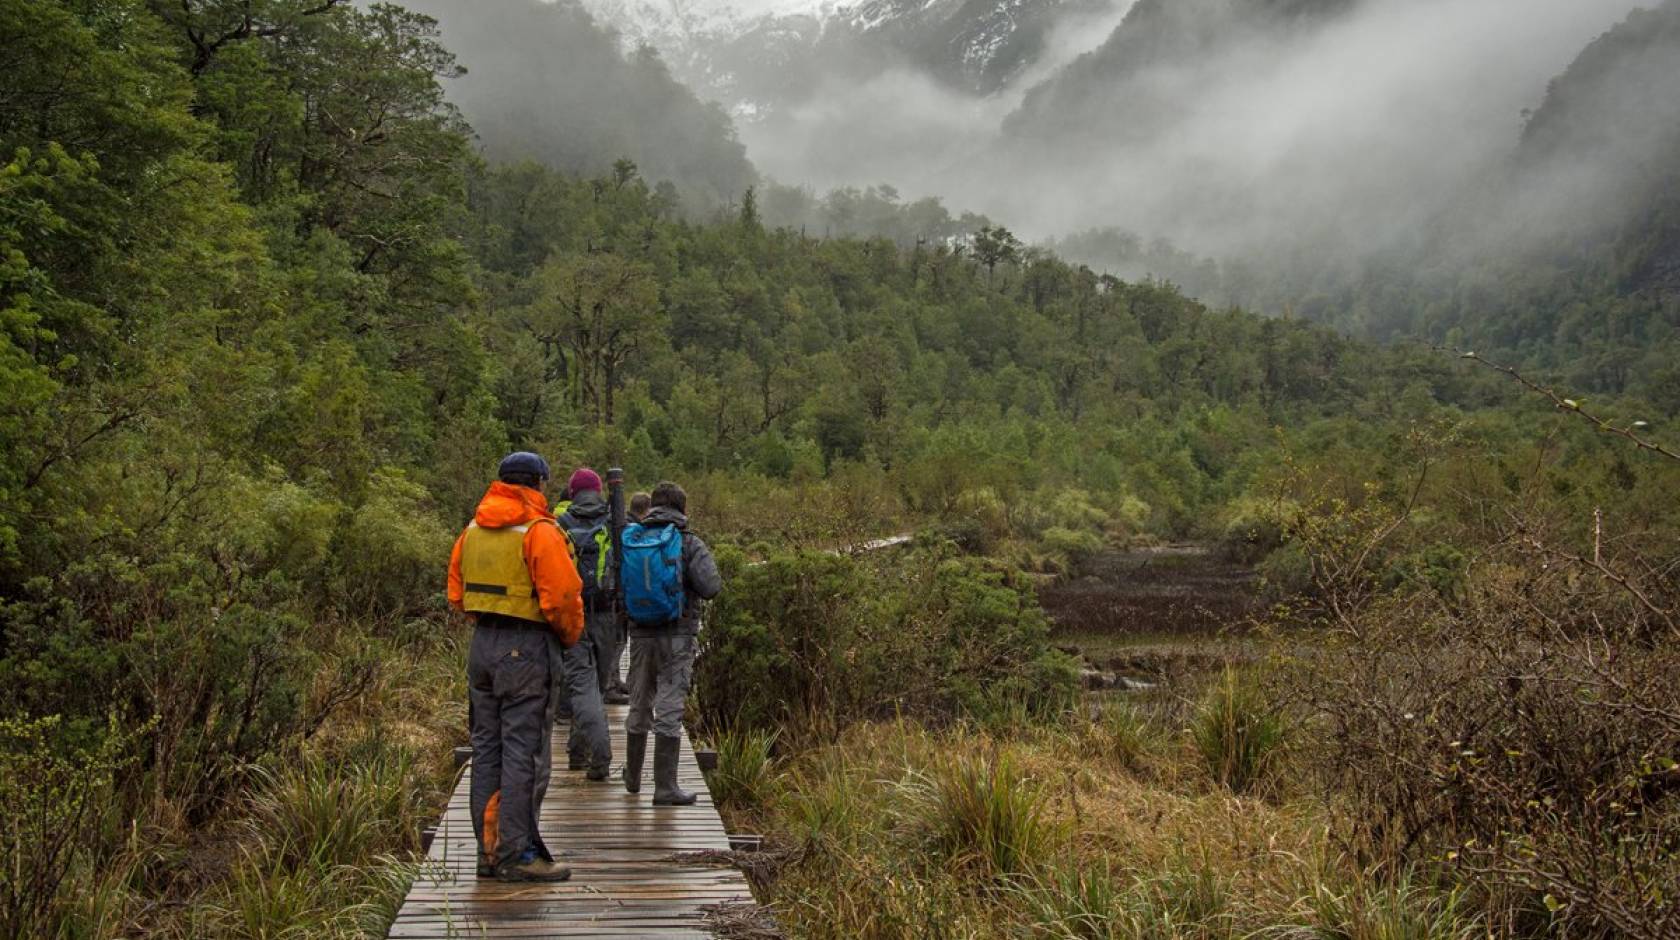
(651, 574)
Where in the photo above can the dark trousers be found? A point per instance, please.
(508, 679)
(588, 743)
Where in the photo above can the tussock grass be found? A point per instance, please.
(321, 812)
(957, 832)
(1096, 902)
(987, 815)
(1237, 734)
(1404, 909)
(1122, 733)
(746, 775)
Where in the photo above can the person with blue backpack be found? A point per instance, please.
(586, 523)
(666, 575)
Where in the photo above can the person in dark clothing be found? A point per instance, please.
(511, 572)
(615, 692)
(662, 656)
(587, 525)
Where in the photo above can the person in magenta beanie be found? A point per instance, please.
(588, 525)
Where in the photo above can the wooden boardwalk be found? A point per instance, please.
(625, 882)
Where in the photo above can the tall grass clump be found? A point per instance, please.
(988, 816)
(1236, 733)
(1080, 901)
(745, 776)
(1123, 734)
(321, 812)
(1403, 909)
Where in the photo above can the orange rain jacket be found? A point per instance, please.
(548, 556)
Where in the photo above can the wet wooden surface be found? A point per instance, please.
(620, 847)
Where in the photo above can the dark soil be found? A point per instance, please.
(1154, 612)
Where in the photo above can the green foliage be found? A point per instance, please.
(1236, 733)
(817, 635)
(55, 796)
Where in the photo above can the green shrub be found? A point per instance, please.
(386, 556)
(847, 639)
(988, 816)
(1076, 546)
(54, 798)
(1253, 530)
(1236, 734)
(1287, 571)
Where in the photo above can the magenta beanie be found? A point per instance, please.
(584, 479)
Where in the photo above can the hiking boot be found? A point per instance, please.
(532, 867)
(665, 789)
(599, 772)
(635, 748)
(615, 696)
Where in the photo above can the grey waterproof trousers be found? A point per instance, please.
(588, 743)
(661, 668)
(508, 678)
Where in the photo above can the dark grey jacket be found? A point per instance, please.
(588, 510)
(701, 580)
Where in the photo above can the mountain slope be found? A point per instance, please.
(1154, 58)
(546, 82)
(759, 60)
(1603, 149)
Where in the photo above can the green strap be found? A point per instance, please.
(601, 541)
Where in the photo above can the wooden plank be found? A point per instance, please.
(620, 847)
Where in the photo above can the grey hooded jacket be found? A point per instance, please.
(701, 580)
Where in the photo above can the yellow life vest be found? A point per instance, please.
(493, 573)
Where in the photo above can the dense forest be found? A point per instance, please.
(269, 316)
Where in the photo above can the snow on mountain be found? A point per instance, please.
(756, 57)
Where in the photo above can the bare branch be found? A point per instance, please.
(1571, 405)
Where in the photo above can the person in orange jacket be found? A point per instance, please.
(512, 573)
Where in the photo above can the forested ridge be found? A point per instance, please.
(268, 319)
(1562, 257)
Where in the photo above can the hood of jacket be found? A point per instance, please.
(664, 515)
(505, 504)
(588, 507)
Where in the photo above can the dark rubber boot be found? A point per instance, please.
(665, 789)
(532, 867)
(635, 748)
